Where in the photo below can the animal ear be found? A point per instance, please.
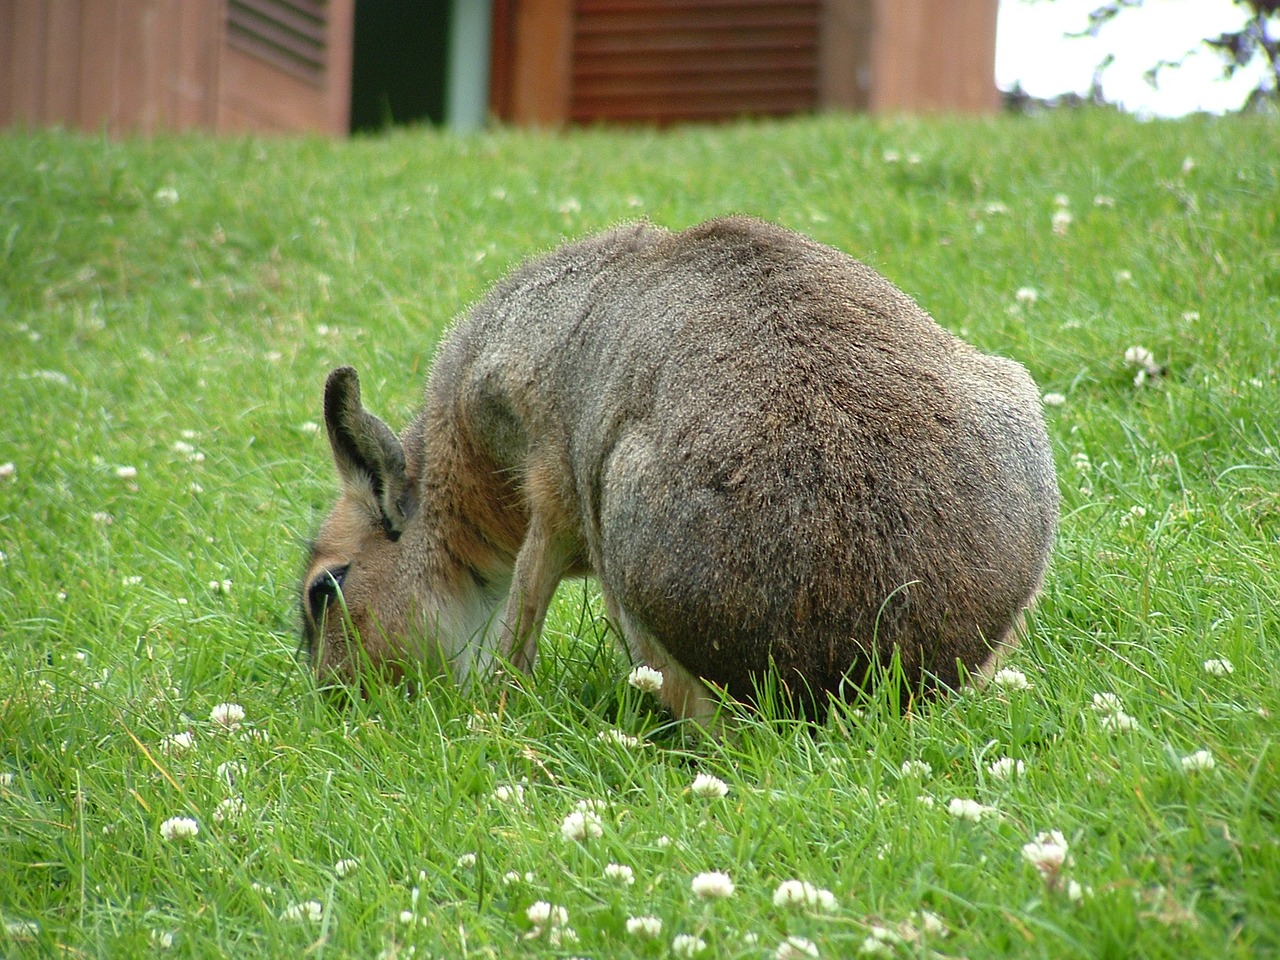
(368, 455)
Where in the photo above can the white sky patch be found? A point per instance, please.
(1033, 49)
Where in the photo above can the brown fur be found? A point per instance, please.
(767, 453)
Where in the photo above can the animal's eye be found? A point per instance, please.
(325, 588)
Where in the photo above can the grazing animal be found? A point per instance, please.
(770, 457)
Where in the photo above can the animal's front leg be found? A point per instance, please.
(540, 566)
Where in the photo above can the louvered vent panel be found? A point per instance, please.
(289, 34)
(663, 61)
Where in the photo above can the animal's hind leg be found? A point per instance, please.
(684, 694)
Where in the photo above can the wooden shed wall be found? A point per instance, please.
(145, 65)
(662, 61)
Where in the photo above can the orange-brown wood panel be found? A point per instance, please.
(25, 62)
(541, 62)
(7, 79)
(61, 53)
(99, 52)
(256, 97)
(193, 78)
(134, 107)
(339, 50)
(934, 55)
(663, 61)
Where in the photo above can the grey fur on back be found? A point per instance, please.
(766, 452)
(771, 451)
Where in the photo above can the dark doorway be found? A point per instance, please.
(399, 63)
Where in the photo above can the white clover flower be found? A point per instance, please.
(230, 771)
(581, 825)
(102, 518)
(512, 793)
(662, 842)
(312, 910)
(1047, 853)
(1027, 295)
(932, 924)
(1054, 399)
(161, 939)
(1188, 164)
(800, 893)
(1118, 722)
(996, 208)
(466, 861)
(620, 873)
(645, 679)
(511, 877)
(346, 867)
(6, 779)
(132, 581)
(561, 936)
(179, 828)
(8, 471)
(1134, 514)
(1077, 893)
(227, 715)
(544, 914)
(649, 928)
(879, 943)
(177, 743)
(1008, 678)
(712, 885)
(795, 948)
(1139, 356)
(620, 738)
(687, 945)
(127, 473)
(229, 808)
(309, 426)
(591, 805)
(407, 916)
(220, 586)
(705, 785)
(964, 809)
(1102, 200)
(165, 197)
(1060, 221)
(1061, 201)
(1200, 760)
(1107, 703)
(1006, 768)
(1219, 667)
(915, 768)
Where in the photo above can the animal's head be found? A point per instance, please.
(351, 606)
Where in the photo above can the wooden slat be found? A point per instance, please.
(585, 7)
(98, 74)
(662, 61)
(194, 81)
(133, 111)
(26, 49)
(62, 49)
(659, 62)
(287, 35)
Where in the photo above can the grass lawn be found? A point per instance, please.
(168, 312)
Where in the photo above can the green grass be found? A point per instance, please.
(185, 291)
